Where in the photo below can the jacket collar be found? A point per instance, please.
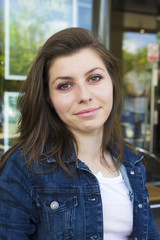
(71, 159)
(130, 158)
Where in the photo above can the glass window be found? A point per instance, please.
(24, 27)
(28, 24)
(137, 76)
(11, 114)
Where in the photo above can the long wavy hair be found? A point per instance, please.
(39, 124)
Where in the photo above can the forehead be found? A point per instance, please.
(80, 60)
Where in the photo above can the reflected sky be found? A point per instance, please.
(133, 41)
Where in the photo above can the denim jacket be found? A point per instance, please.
(55, 206)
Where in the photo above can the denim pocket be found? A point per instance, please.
(57, 211)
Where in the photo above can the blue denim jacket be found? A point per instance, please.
(54, 206)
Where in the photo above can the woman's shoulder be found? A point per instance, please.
(13, 159)
(17, 152)
(131, 156)
(15, 174)
(15, 155)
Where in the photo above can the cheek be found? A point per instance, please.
(60, 105)
(107, 95)
(108, 101)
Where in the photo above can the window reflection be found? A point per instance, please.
(28, 24)
(11, 115)
(137, 77)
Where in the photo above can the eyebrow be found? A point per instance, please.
(69, 78)
(93, 69)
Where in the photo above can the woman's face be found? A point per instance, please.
(81, 91)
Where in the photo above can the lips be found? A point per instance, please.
(87, 112)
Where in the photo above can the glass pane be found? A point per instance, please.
(137, 75)
(11, 115)
(84, 14)
(25, 26)
(28, 24)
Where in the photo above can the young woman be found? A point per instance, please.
(69, 175)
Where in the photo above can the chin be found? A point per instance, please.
(90, 128)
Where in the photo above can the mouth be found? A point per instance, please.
(87, 112)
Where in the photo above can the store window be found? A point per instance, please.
(25, 26)
(137, 78)
(28, 24)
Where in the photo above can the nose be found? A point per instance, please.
(83, 93)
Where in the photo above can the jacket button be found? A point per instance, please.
(94, 237)
(54, 205)
(132, 172)
(140, 205)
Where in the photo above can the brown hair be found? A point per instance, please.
(39, 123)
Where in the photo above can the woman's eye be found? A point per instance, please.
(95, 78)
(64, 86)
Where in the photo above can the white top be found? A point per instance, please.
(117, 208)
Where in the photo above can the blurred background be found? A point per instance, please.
(130, 29)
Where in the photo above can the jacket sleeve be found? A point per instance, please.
(152, 231)
(18, 214)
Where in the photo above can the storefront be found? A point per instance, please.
(135, 25)
(129, 28)
(134, 39)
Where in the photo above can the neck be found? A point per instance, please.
(89, 146)
(90, 152)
